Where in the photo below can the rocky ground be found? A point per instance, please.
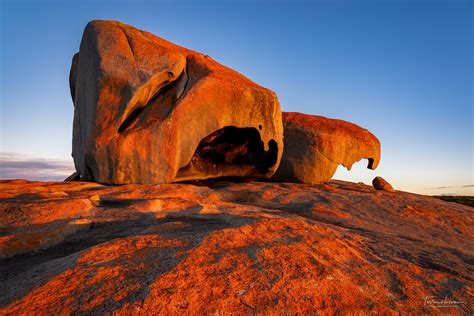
(220, 247)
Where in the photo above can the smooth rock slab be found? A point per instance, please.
(148, 111)
(314, 146)
(240, 248)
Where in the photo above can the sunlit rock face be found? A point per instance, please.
(314, 146)
(149, 111)
(220, 247)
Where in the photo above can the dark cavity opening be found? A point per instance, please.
(130, 119)
(237, 146)
(371, 163)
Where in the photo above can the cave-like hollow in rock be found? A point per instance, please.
(229, 151)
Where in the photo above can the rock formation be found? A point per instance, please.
(231, 248)
(381, 184)
(314, 146)
(148, 111)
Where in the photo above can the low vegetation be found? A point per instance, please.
(466, 200)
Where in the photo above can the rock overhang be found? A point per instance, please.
(314, 147)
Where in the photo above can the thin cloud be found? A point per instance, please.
(18, 166)
(439, 188)
(442, 188)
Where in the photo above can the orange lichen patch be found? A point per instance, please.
(124, 248)
(323, 210)
(422, 213)
(169, 227)
(210, 209)
(213, 196)
(14, 188)
(21, 212)
(268, 195)
(41, 238)
(111, 273)
(179, 204)
(276, 265)
(240, 248)
(150, 205)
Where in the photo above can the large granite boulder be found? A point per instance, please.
(314, 146)
(149, 111)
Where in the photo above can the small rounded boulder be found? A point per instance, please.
(381, 184)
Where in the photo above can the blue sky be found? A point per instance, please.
(402, 69)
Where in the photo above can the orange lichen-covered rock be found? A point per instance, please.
(232, 248)
(149, 111)
(314, 146)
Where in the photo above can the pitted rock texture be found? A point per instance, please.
(314, 146)
(148, 111)
(240, 248)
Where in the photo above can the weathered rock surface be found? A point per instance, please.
(314, 146)
(239, 248)
(148, 111)
(381, 184)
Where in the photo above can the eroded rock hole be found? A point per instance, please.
(370, 164)
(235, 146)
